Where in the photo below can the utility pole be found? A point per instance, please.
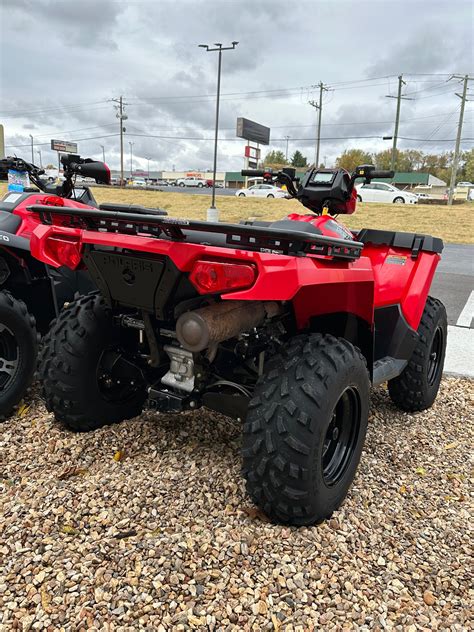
(399, 98)
(454, 167)
(121, 117)
(148, 166)
(212, 213)
(32, 150)
(103, 152)
(41, 159)
(319, 108)
(286, 153)
(131, 158)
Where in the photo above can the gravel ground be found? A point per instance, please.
(146, 526)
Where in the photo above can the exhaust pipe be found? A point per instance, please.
(201, 328)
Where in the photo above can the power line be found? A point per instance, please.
(71, 139)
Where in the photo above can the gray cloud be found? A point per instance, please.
(72, 57)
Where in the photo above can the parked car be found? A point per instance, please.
(191, 181)
(465, 184)
(423, 196)
(139, 182)
(262, 190)
(383, 192)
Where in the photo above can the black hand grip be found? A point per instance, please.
(253, 172)
(381, 174)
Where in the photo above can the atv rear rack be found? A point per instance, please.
(245, 237)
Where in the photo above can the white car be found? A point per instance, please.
(262, 190)
(139, 182)
(191, 182)
(383, 192)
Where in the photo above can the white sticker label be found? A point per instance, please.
(12, 197)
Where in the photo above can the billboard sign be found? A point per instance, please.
(64, 146)
(252, 131)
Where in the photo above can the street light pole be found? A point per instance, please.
(41, 160)
(212, 213)
(103, 152)
(148, 167)
(286, 153)
(32, 149)
(131, 158)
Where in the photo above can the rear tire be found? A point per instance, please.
(416, 387)
(399, 200)
(270, 195)
(305, 429)
(241, 194)
(88, 376)
(18, 351)
(359, 199)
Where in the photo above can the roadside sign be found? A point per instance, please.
(253, 131)
(64, 146)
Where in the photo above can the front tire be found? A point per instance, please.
(18, 351)
(89, 378)
(416, 387)
(399, 200)
(200, 185)
(270, 195)
(181, 184)
(359, 199)
(305, 429)
(241, 194)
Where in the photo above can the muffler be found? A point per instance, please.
(202, 328)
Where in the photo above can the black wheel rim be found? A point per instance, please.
(118, 378)
(436, 354)
(9, 357)
(341, 437)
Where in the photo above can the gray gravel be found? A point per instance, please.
(165, 538)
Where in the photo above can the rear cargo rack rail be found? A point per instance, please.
(259, 238)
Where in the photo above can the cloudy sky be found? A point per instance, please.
(62, 63)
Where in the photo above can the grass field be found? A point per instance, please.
(454, 225)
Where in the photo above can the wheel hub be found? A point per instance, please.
(341, 436)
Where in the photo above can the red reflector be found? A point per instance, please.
(211, 276)
(65, 250)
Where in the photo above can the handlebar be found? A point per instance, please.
(256, 173)
(382, 174)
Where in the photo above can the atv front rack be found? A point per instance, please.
(245, 237)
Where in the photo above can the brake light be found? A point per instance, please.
(209, 277)
(65, 250)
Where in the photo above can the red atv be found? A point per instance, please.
(282, 325)
(31, 293)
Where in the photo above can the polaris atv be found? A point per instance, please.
(283, 325)
(31, 293)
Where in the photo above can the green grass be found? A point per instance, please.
(453, 224)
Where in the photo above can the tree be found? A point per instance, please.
(351, 158)
(275, 159)
(298, 160)
(467, 169)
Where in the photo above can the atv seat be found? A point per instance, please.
(9, 222)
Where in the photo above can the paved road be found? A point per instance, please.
(454, 279)
(454, 285)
